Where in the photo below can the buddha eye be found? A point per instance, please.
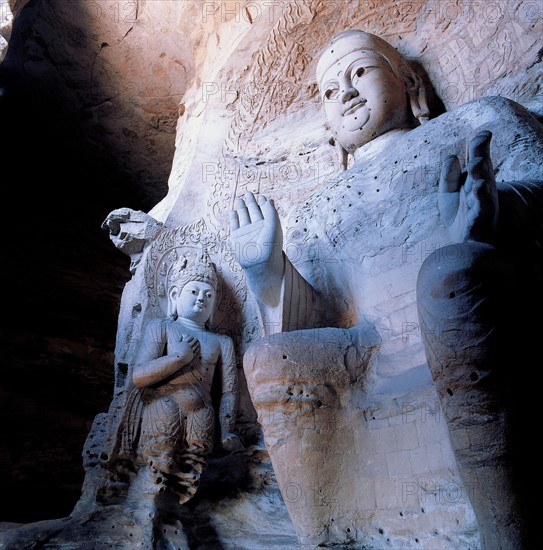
(209, 295)
(359, 72)
(331, 93)
(194, 292)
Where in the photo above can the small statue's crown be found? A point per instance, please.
(199, 268)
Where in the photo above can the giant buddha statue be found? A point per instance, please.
(404, 279)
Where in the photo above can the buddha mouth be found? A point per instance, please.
(354, 106)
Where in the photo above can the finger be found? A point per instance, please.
(478, 169)
(254, 210)
(479, 161)
(243, 213)
(268, 209)
(262, 200)
(479, 146)
(479, 188)
(450, 179)
(234, 220)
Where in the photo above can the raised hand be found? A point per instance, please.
(468, 201)
(257, 240)
(256, 233)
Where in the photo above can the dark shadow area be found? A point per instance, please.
(226, 476)
(64, 280)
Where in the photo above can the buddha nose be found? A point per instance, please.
(346, 89)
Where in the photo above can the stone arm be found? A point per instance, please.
(229, 394)
(474, 297)
(285, 300)
(152, 366)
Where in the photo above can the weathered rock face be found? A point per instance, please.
(74, 82)
(54, 89)
(250, 120)
(117, 73)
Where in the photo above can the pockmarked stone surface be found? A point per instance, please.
(353, 246)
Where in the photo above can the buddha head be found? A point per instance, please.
(193, 289)
(368, 89)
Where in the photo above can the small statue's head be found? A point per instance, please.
(193, 289)
(368, 89)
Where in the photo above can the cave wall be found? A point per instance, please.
(115, 99)
(83, 130)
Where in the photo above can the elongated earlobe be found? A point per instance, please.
(343, 158)
(342, 154)
(417, 98)
(172, 303)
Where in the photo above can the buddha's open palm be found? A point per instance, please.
(256, 234)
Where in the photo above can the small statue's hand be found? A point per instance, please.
(186, 348)
(468, 201)
(231, 442)
(256, 233)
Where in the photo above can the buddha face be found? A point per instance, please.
(195, 301)
(363, 97)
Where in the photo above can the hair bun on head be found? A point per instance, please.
(201, 268)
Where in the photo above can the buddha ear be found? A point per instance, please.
(417, 97)
(209, 322)
(343, 158)
(172, 301)
(342, 154)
